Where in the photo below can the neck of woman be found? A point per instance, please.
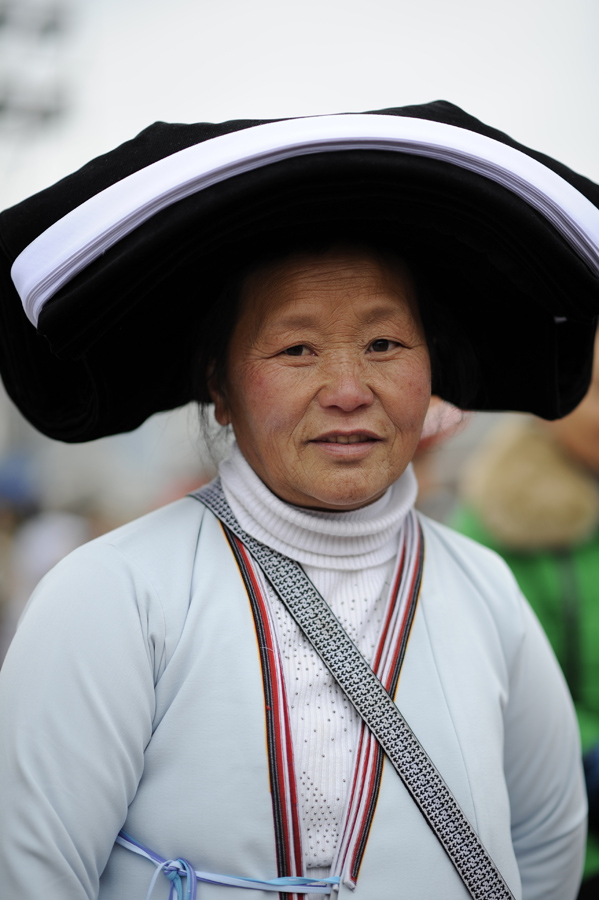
(333, 540)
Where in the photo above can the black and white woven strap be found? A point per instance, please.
(378, 710)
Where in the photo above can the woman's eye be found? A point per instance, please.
(382, 345)
(297, 350)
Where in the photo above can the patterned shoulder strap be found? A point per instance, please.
(378, 710)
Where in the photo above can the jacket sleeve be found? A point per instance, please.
(543, 771)
(76, 710)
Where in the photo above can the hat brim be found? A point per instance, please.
(116, 343)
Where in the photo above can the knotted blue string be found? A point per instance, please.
(178, 869)
(174, 876)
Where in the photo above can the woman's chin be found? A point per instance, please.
(339, 494)
(331, 476)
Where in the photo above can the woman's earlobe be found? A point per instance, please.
(221, 409)
(221, 412)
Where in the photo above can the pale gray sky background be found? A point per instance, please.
(530, 67)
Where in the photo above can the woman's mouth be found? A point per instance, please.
(347, 447)
(346, 438)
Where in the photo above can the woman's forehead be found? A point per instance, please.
(292, 286)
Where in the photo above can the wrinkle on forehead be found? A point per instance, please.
(298, 278)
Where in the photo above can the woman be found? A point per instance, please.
(311, 278)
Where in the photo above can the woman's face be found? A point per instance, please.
(328, 378)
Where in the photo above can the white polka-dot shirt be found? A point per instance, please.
(350, 558)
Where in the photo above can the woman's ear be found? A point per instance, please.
(221, 407)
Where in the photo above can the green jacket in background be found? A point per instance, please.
(522, 498)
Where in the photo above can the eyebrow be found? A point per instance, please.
(383, 312)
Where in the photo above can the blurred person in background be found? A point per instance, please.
(216, 692)
(19, 500)
(531, 493)
(38, 544)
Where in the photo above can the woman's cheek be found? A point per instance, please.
(407, 392)
(269, 395)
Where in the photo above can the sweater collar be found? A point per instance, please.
(333, 540)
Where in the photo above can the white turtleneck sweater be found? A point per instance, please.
(350, 557)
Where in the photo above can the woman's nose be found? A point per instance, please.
(345, 388)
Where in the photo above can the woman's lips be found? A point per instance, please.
(361, 437)
(353, 446)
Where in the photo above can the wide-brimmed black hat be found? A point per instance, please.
(107, 277)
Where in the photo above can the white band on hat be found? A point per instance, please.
(80, 237)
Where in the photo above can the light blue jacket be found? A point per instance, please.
(132, 697)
